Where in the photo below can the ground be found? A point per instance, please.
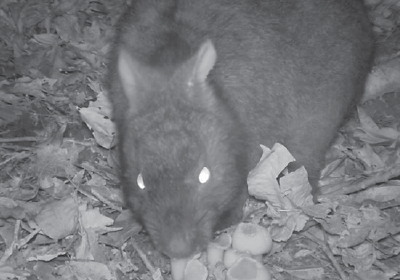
(62, 213)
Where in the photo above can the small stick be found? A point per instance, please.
(21, 139)
(379, 177)
(154, 272)
(325, 248)
(9, 251)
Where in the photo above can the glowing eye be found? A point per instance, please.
(140, 181)
(204, 175)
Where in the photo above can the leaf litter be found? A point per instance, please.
(61, 211)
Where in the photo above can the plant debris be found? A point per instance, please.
(61, 211)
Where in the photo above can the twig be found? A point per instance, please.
(154, 272)
(18, 156)
(27, 238)
(93, 194)
(327, 252)
(21, 139)
(9, 251)
(15, 147)
(106, 201)
(379, 177)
